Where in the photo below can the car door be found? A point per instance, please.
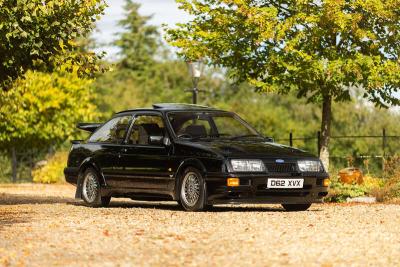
(106, 144)
(145, 163)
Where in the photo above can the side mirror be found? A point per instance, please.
(156, 140)
(159, 140)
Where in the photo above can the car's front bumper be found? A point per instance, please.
(254, 190)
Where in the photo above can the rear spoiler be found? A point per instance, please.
(89, 127)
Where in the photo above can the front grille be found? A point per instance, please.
(280, 167)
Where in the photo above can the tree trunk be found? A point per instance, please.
(14, 164)
(326, 130)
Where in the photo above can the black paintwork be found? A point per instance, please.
(152, 172)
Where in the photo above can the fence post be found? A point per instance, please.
(14, 164)
(291, 138)
(319, 143)
(383, 148)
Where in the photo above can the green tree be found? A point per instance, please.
(42, 109)
(40, 34)
(146, 72)
(139, 42)
(318, 49)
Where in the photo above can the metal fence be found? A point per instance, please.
(384, 147)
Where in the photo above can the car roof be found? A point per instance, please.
(172, 107)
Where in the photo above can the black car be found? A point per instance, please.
(196, 155)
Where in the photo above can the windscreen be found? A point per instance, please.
(210, 125)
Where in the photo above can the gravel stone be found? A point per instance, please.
(42, 225)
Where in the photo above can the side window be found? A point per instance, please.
(113, 131)
(145, 126)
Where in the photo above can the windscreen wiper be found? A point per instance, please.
(199, 137)
(246, 136)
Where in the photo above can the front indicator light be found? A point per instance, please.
(233, 181)
(326, 182)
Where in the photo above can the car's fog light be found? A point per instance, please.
(326, 182)
(233, 182)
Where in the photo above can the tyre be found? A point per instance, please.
(296, 207)
(208, 207)
(192, 195)
(91, 190)
(105, 201)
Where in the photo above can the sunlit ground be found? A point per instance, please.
(42, 225)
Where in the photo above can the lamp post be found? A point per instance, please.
(195, 70)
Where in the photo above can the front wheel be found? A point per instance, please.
(192, 190)
(296, 207)
(91, 190)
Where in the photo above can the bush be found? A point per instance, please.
(339, 192)
(390, 190)
(383, 189)
(51, 171)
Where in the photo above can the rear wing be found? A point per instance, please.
(89, 127)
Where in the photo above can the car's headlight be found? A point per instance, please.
(247, 165)
(309, 165)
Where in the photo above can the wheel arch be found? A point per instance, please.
(88, 163)
(192, 162)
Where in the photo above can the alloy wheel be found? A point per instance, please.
(90, 187)
(190, 192)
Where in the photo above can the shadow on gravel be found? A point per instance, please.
(8, 218)
(12, 199)
(135, 204)
(172, 206)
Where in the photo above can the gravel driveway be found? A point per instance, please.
(42, 225)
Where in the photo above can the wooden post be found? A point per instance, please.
(383, 148)
(291, 138)
(319, 142)
(14, 164)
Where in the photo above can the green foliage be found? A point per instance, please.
(315, 48)
(163, 79)
(53, 170)
(382, 189)
(5, 168)
(391, 188)
(146, 73)
(37, 34)
(139, 42)
(42, 109)
(339, 192)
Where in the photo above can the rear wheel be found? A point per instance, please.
(296, 207)
(91, 191)
(192, 190)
